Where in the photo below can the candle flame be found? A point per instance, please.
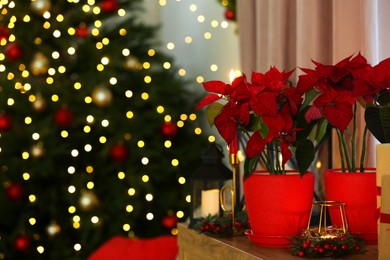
(232, 74)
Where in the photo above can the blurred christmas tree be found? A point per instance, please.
(97, 135)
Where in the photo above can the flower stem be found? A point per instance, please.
(346, 152)
(341, 151)
(353, 140)
(363, 155)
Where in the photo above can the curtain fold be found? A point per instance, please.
(291, 33)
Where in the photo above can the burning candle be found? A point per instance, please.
(210, 202)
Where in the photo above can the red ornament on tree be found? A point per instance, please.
(169, 129)
(15, 191)
(13, 52)
(169, 222)
(82, 31)
(119, 153)
(63, 117)
(229, 14)
(5, 122)
(4, 33)
(22, 243)
(109, 6)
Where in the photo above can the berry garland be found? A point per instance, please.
(315, 246)
(223, 225)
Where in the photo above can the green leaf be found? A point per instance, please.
(374, 123)
(212, 111)
(250, 165)
(304, 155)
(384, 113)
(321, 129)
(263, 129)
(309, 96)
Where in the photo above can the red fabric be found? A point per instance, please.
(118, 248)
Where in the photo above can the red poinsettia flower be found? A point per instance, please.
(265, 110)
(336, 87)
(236, 110)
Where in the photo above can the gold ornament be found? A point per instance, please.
(39, 104)
(37, 150)
(40, 6)
(40, 64)
(53, 229)
(102, 96)
(88, 200)
(132, 63)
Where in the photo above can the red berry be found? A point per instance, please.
(301, 253)
(344, 247)
(305, 245)
(321, 250)
(326, 246)
(357, 248)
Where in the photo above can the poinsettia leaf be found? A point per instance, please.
(309, 96)
(305, 127)
(322, 126)
(215, 86)
(384, 113)
(209, 98)
(212, 111)
(264, 129)
(384, 97)
(304, 155)
(250, 165)
(373, 122)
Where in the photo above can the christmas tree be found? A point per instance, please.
(98, 134)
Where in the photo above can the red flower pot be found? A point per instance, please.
(278, 206)
(358, 191)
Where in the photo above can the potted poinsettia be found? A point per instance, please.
(335, 92)
(266, 111)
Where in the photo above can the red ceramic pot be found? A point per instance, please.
(278, 206)
(358, 191)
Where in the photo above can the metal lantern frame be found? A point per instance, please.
(212, 174)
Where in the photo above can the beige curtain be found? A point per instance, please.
(290, 33)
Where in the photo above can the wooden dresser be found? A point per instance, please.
(194, 246)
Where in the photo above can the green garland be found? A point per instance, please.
(230, 9)
(223, 225)
(314, 246)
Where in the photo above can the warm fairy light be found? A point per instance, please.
(182, 180)
(180, 214)
(193, 7)
(167, 144)
(74, 153)
(170, 45)
(71, 189)
(149, 197)
(207, 35)
(77, 247)
(319, 165)
(105, 123)
(72, 209)
(145, 160)
(26, 176)
(231, 75)
(126, 227)
(198, 131)
(140, 144)
(174, 231)
(167, 65)
(213, 67)
(175, 162)
(188, 198)
(40, 249)
(121, 175)
(71, 169)
(149, 216)
(201, 18)
(32, 221)
(129, 208)
(131, 191)
(95, 219)
(32, 198)
(145, 178)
